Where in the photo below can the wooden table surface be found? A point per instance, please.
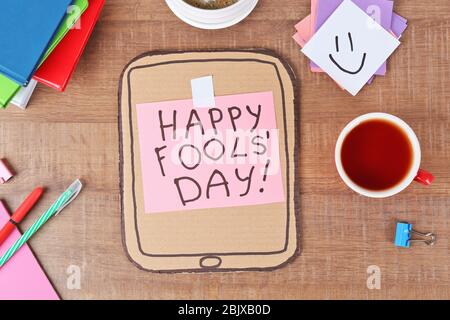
(62, 136)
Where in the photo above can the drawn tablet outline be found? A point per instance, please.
(295, 185)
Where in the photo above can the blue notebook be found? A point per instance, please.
(26, 30)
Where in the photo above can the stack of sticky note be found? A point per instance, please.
(350, 40)
(42, 41)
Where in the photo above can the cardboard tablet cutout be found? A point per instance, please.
(211, 188)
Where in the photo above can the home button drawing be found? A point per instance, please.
(210, 262)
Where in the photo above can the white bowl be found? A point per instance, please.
(212, 18)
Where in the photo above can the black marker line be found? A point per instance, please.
(345, 70)
(351, 42)
(336, 41)
(266, 168)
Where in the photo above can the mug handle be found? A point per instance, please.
(424, 177)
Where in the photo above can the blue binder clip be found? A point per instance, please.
(403, 234)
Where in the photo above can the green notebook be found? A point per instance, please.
(74, 13)
(9, 88)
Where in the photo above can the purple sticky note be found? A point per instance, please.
(398, 24)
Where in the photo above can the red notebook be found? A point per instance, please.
(57, 70)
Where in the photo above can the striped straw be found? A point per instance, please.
(60, 204)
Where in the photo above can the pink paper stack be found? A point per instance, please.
(22, 278)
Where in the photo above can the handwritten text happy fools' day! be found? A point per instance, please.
(194, 158)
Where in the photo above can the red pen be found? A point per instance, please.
(20, 213)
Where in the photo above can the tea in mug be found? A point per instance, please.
(377, 155)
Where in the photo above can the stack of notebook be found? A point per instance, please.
(42, 41)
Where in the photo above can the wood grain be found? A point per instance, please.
(62, 136)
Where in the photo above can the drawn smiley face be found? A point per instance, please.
(363, 60)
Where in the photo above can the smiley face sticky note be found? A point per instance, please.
(350, 47)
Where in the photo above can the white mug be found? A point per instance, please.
(414, 174)
(212, 18)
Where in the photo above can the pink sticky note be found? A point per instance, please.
(303, 30)
(22, 277)
(232, 148)
(306, 26)
(299, 39)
